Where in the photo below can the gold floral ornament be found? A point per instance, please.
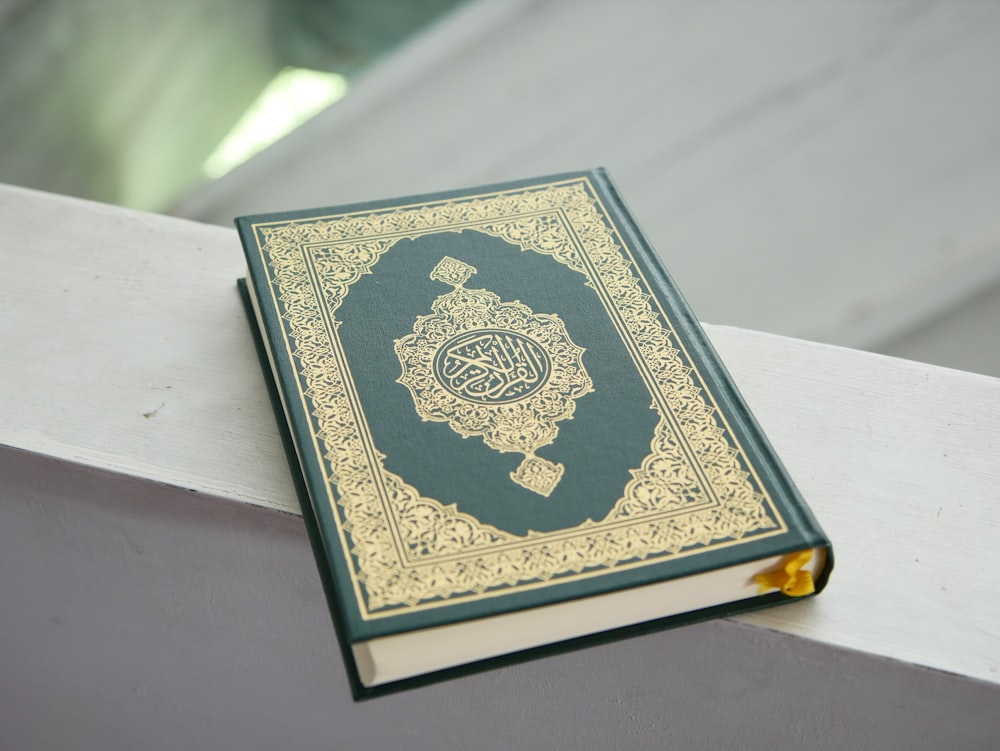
(494, 369)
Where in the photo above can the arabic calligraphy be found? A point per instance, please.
(492, 366)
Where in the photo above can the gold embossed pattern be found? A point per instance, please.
(494, 369)
(693, 492)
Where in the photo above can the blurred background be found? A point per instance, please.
(825, 170)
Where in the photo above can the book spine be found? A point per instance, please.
(294, 425)
(692, 337)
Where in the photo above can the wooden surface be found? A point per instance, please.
(901, 462)
(133, 356)
(838, 161)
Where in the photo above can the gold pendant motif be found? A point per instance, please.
(494, 369)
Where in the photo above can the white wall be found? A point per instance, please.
(820, 170)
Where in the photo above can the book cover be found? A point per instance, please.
(499, 402)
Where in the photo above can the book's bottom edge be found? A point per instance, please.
(364, 693)
(397, 657)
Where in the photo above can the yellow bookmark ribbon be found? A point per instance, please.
(789, 578)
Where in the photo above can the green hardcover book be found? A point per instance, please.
(511, 432)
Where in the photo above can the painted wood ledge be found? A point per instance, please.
(126, 348)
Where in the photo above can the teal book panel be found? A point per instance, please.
(498, 399)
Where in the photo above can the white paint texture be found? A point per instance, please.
(131, 348)
(901, 463)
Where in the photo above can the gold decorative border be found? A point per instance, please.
(690, 493)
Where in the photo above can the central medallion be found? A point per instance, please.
(494, 369)
(492, 366)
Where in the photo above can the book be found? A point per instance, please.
(509, 432)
